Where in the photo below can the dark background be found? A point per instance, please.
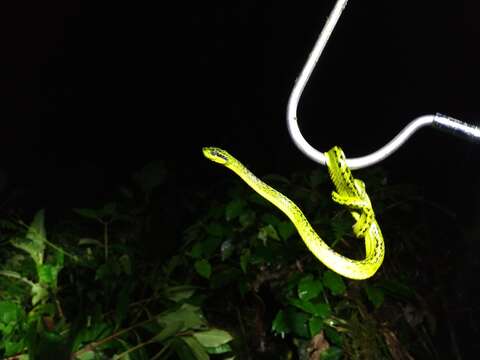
(91, 92)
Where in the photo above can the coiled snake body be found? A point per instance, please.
(350, 192)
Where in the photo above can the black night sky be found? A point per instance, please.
(90, 92)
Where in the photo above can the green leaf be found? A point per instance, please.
(203, 268)
(198, 351)
(334, 282)
(171, 329)
(298, 322)
(88, 334)
(279, 324)
(210, 245)
(34, 250)
(179, 293)
(190, 316)
(182, 350)
(375, 295)
(290, 320)
(197, 250)
(334, 336)
(286, 229)
(309, 288)
(15, 275)
(212, 337)
(10, 312)
(39, 293)
(234, 208)
(14, 348)
(332, 353)
(89, 355)
(103, 272)
(36, 231)
(221, 349)
(322, 309)
(315, 325)
(48, 274)
(318, 309)
(267, 232)
(34, 242)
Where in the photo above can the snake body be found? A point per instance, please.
(350, 192)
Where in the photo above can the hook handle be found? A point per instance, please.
(456, 127)
(439, 121)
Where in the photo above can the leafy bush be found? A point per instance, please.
(242, 285)
(92, 297)
(265, 284)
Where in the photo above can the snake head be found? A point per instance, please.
(216, 154)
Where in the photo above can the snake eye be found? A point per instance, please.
(219, 154)
(216, 154)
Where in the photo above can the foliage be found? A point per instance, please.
(241, 286)
(95, 298)
(255, 265)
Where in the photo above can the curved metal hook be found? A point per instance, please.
(439, 121)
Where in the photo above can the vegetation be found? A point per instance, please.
(241, 285)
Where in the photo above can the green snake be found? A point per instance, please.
(350, 192)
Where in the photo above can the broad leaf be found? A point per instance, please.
(38, 293)
(198, 351)
(309, 288)
(190, 316)
(10, 312)
(332, 353)
(267, 232)
(334, 282)
(171, 329)
(34, 242)
(212, 337)
(315, 325)
(279, 324)
(203, 268)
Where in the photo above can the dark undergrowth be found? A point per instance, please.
(239, 285)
